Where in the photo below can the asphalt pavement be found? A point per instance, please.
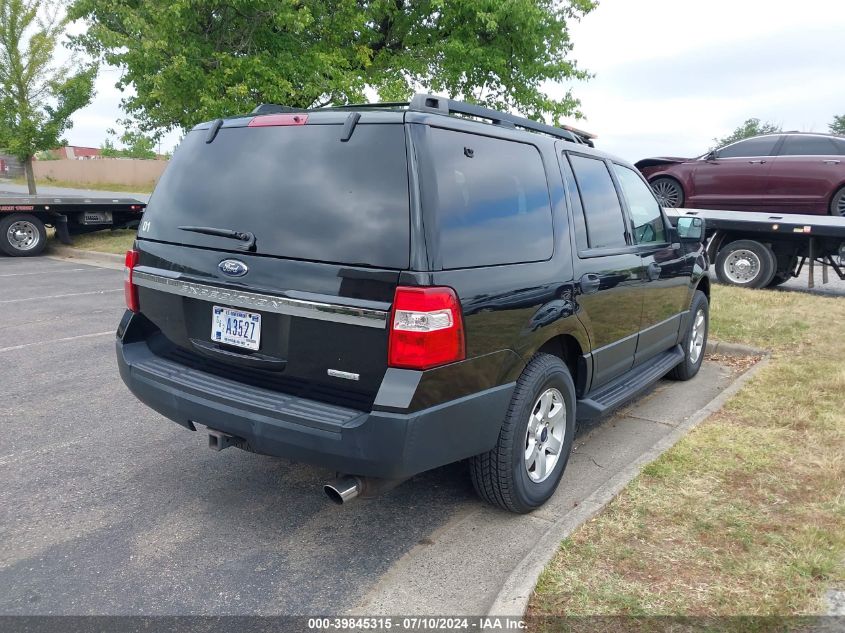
(108, 508)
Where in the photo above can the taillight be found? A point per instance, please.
(130, 290)
(426, 328)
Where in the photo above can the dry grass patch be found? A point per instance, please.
(746, 515)
(118, 241)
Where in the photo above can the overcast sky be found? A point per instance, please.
(670, 75)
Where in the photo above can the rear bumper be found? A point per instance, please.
(375, 443)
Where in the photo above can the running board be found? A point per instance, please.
(607, 397)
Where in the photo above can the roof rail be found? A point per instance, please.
(442, 105)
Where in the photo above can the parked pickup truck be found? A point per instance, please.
(385, 289)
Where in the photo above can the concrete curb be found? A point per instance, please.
(512, 599)
(733, 349)
(68, 253)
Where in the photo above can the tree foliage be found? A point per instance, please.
(37, 96)
(838, 125)
(195, 60)
(751, 127)
(135, 143)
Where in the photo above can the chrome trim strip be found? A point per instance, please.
(267, 303)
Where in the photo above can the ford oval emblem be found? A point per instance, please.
(233, 268)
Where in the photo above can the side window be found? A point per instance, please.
(492, 202)
(645, 212)
(760, 146)
(605, 222)
(577, 208)
(797, 145)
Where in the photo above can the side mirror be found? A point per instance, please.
(713, 154)
(691, 229)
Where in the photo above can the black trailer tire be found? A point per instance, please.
(22, 235)
(668, 191)
(746, 263)
(695, 340)
(540, 420)
(837, 203)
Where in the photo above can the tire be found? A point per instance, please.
(695, 339)
(837, 203)
(668, 191)
(505, 476)
(22, 235)
(746, 263)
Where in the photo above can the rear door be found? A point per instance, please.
(804, 174)
(608, 270)
(736, 178)
(330, 221)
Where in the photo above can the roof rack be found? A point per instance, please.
(442, 105)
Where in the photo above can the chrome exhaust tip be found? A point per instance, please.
(343, 489)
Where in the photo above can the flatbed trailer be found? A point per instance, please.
(759, 250)
(23, 219)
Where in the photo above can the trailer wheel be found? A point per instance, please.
(746, 263)
(837, 203)
(22, 235)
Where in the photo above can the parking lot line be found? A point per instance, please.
(57, 340)
(72, 294)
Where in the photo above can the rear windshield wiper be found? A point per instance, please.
(244, 236)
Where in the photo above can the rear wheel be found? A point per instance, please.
(524, 468)
(22, 235)
(746, 263)
(837, 203)
(668, 192)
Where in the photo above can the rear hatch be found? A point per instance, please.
(304, 309)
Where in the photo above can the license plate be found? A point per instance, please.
(235, 327)
(96, 217)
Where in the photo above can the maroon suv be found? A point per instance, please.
(788, 173)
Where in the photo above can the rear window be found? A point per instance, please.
(302, 192)
(809, 146)
(491, 202)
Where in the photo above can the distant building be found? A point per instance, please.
(76, 152)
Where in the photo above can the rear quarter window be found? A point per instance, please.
(490, 198)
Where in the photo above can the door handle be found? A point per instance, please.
(756, 162)
(589, 283)
(831, 161)
(653, 271)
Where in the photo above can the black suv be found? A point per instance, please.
(385, 289)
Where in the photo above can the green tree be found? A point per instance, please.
(195, 60)
(135, 143)
(838, 125)
(37, 95)
(751, 127)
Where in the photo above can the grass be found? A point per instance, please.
(103, 186)
(744, 516)
(118, 241)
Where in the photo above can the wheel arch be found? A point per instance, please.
(570, 351)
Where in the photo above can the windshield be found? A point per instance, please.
(302, 192)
